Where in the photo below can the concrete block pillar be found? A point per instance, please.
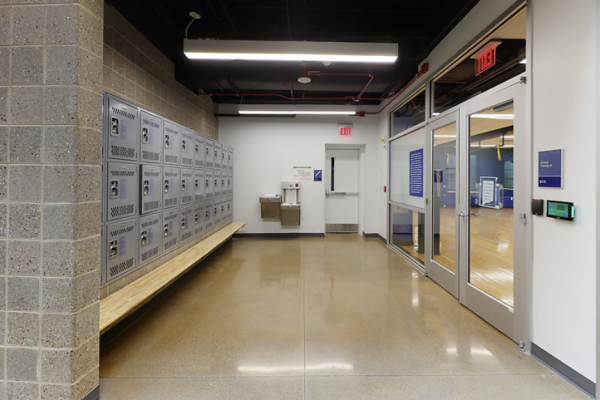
(50, 194)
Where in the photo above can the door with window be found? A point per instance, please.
(342, 168)
(478, 208)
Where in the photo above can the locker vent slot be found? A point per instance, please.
(186, 236)
(121, 211)
(171, 202)
(185, 160)
(199, 230)
(150, 156)
(186, 199)
(171, 159)
(151, 205)
(209, 224)
(149, 254)
(120, 151)
(122, 267)
(170, 244)
(199, 197)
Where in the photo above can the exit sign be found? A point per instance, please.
(345, 130)
(486, 58)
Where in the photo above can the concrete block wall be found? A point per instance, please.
(137, 71)
(50, 193)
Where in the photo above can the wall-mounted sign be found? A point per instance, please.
(318, 175)
(550, 168)
(416, 173)
(486, 58)
(345, 130)
(303, 174)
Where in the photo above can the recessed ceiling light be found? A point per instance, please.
(304, 79)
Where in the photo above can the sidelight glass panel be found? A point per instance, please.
(491, 208)
(444, 196)
(408, 232)
(406, 169)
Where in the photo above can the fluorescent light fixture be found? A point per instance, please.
(438, 136)
(524, 61)
(295, 110)
(435, 114)
(252, 50)
(493, 116)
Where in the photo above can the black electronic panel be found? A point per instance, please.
(537, 207)
(560, 210)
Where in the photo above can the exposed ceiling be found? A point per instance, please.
(417, 27)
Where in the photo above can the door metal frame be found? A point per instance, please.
(440, 274)
(510, 321)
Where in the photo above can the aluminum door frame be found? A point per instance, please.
(513, 322)
(441, 275)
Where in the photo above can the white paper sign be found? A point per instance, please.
(487, 192)
(303, 174)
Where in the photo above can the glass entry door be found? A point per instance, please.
(444, 187)
(492, 199)
(479, 183)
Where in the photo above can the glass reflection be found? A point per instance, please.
(491, 266)
(444, 196)
(408, 232)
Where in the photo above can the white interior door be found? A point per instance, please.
(341, 190)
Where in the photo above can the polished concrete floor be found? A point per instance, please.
(335, 318)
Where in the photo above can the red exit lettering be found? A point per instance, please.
(345, 131)
(485, 61)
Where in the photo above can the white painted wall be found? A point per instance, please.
(564, 117)
(267, 149)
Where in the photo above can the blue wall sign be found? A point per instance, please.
(416, 173)
(550, 168)
(318, 175)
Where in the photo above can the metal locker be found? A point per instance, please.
(151, 136)
(121, 190)
(209, 150)
(199, 218)
(217, 182)
(217, 155)
(230, 207)
(208, 214)
(188, 148)
(224, 157)
(119, 249)
(199, 184)
(230, 158)
(187, 186)
(151, 184)
(121, 130)
(171, 186)
(171, 230)
(150, 239)
(216, 211)
(187, 223)
(199, 150)
(171, 143)
(230, 182)
(223, 210)
(209, 182)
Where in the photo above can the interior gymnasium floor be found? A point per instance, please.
(340, 317)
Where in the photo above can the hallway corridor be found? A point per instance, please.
(335, 318)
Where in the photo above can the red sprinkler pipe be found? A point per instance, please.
(356, 98)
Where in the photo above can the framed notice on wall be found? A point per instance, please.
(550, 171)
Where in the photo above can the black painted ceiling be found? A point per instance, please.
(416, 25)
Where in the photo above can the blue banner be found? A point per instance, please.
(416, 173)
(550, 169)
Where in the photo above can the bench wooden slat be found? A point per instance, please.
(117, 306)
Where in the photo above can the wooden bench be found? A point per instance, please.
(119, 305)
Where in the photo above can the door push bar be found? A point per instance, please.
(328, 193)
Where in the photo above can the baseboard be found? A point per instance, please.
(374, 236)
(132, 318)
(291, 235)
(94, 394)
(563, 369)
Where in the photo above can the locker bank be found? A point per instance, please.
(422, 226)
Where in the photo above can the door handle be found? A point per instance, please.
(462, 214)
(326, 192)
